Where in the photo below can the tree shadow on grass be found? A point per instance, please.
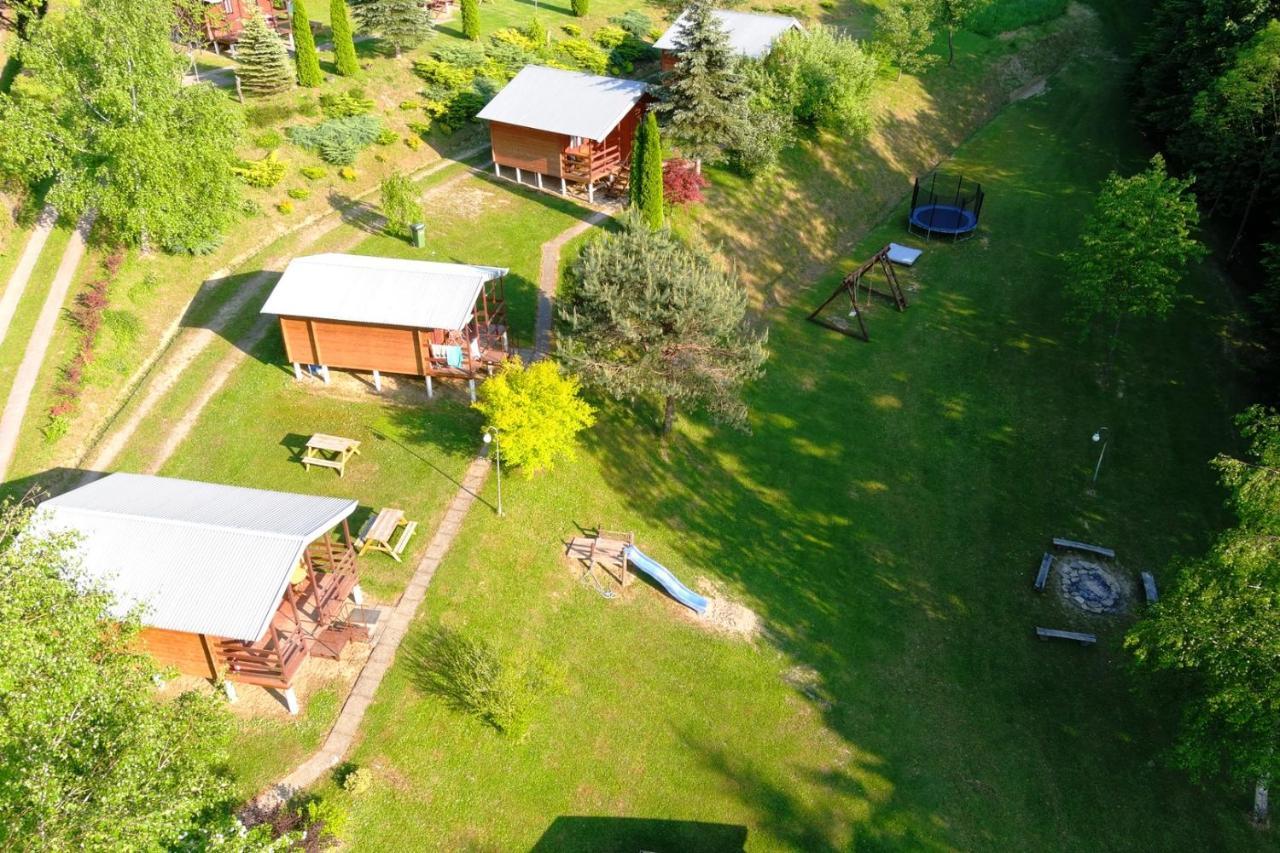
(606, 834)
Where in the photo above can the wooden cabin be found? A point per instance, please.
(565, 126)
(751, 34)
(225, 19)
(387, 315)
(237, 584)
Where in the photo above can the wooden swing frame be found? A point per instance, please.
(857, 281)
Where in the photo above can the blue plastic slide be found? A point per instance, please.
(670, 582)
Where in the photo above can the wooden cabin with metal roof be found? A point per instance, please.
(389, 315)
(234, 584)
(751, 34)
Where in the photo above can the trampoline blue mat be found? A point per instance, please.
(944, 219)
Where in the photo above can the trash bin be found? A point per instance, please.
(419, 231)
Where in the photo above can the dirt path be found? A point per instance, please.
(190, 343)
(345, 728)
(26, 265)
(24, 381)
(549, 278)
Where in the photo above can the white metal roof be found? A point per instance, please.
(382, 291)
(567, 102)
(750, 34)
(198, 557)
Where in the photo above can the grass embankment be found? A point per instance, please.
(28, 310)
(884, 518)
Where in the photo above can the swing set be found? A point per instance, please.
(856, 283)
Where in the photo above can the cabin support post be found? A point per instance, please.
(324, 373)
(290, 700)
(497, 170)
(564, 188)
(430, 390)
(357, 595)
(539, 177)
(230, 690)
(591, 191)
(297, 371)
(471, 386)
(377, 381)
(519, 179)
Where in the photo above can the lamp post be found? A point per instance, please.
(491, 435)
(1101, 435)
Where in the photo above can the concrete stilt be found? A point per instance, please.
(430, 390)
(377, 381)
(519, 179)
(357, 595)
(497, 170)
(290, 700)
(230, 689)
(297, 371)
(539, 175)
(564, 188)
(471, 386)
(324, 373)
(591, 192)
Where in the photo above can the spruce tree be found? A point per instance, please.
(400, 23)
(646, 172)
(703, 97)
(344, 46)
(304, 48)
(471, 19)
(264, 62)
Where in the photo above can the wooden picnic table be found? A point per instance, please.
(329, 451)
(380, 529)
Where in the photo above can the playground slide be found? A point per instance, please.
(670, 582)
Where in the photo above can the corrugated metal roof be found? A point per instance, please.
(199, 557)
(567, 102)
(750, 34)
(380, 291)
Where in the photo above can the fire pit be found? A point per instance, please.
(1090, 586)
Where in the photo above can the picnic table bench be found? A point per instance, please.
(329, 451)
(1055, 634)
(1084, 546)
(1042, 576)
(1149, 587)
(378, 530)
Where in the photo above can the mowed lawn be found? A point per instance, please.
(884, 518)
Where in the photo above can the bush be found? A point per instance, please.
(399, 204)
(470, 12)
(268, 140)
(414, 142)
(571, 29)
(681, 182)
(299, 193)
(462, 54)
(536, 32)
(314, 173)
(338, 140)
(583, 55)
(285, 207)
(635, 22)
(261, 115)
(581, 8)
(825, 77)
(1003, 17)
(766, 134)
(515, 38)
(443, 75)
(387, 137)
(410, 105)
(263, 173)
(356, 780)
(347, 173)
(345, 104)
(609, 37)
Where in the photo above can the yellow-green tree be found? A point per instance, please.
(538, 412)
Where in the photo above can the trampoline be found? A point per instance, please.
(946, 206)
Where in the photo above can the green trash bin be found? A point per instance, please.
(419, 231)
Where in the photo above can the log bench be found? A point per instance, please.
(1042, 577)
(1084, 546)
(1149, 587)
(1055, 634)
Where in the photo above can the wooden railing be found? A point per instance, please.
(590, 165)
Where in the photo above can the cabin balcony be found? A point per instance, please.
(590, 163)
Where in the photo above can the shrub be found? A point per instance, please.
(285, 207)
(249, 208)
(635, 22)
(422, 128)
(56, 427)
(826, 77)
(681, 182)
(387, 137)
(347, 173)
(515, 38)
(299, 193)
(263, 173)
(583, 55)
(357, 780)
(410, 105)
(345, 104)
(444, 75)
(536, 32)
(581, 8)
(344, 48)
(261, 115)
(414, 142)
(268, 140)
(763, 138)
(141, 291)
(399, 204)
(470, 11)
(571, 29)
(337, 140)
(609, 37)
(462, 54)
(314, 173)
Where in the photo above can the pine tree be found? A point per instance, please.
(646, 172)
(649, 315)
(264, 62)
(471, 19)
(304, 48)
(344, 46)
(704, 98)
(400, 23)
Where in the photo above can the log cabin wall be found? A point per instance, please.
(190, 654)
(353, 346)
(667, 60)
(525, 148)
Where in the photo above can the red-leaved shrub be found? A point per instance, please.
(681, 182)
(87, 315)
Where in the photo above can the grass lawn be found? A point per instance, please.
(884, 517)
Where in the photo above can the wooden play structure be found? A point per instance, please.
(855, 283)
(606, 548)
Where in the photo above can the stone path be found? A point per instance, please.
(24, 381)
(26, 265)
(343, 733)
(549, 277)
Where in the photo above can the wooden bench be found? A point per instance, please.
(1042, 577)
(1055, 634)
(1084, 546)
(378, 530)
(1149, 587)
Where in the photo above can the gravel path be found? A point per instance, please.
(26, 265)
(549, 277)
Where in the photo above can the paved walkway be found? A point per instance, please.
(26, 265)
(343, 733)
(549, 278)
(24, 381)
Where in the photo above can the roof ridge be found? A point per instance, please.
(177, 522)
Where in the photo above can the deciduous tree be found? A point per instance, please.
(954, 14)
(101, 113)
(399, 204)
(825, 77)
(646, 172)
(304, 48)
(264, 66)
(648, 315)
(703, 98)
(904, 33)
(93, 759)
(538, 412)
(1214, 637)
(400, 23)
(344, 46)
